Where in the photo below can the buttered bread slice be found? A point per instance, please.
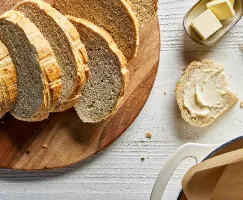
(115, 16)
(203, 93)
(108, 73)
(65, 42)
(37, 72)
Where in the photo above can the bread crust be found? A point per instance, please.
(199, 121)
(113, 48)
(46, 56)
(78, 50)
(135, 21)
(8, 81)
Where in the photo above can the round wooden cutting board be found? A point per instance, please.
(63, 139)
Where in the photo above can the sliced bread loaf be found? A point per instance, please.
(203, 80)
(108, 77)
(116, 16)
(36, 67)
(8, 81)
(65, 42)
(144, 9)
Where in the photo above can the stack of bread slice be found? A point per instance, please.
(50, 62)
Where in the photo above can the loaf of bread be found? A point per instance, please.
(115, 16)
(50, 62)
(105, 87)
(67, 47)
(188, 92)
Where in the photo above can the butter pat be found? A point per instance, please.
(222, 9)
(206, 24)
(232, 2)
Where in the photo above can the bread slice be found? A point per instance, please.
(115, 16)
(105, 87)
(182, 85)
(8, 81)
(38, 74)
(144, 9)
(65, 42)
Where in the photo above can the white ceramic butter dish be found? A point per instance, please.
(198, 9)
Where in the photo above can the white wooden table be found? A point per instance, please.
(118, 173)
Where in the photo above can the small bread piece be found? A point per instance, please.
(109, 75)
(65, 42)
(115, 16)
(8, 81)
(198, 120)
(36, 67)
(144, 9)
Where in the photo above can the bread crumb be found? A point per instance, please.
(44, 146)
(149, 135)
(241, 104)
(165, 93)
(142, 159)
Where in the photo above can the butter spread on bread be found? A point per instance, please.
(206, 88)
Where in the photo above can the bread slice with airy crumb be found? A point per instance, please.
(144, 9)
(108, 73)
(184, 83)
(37, 72)
(115, 16)
(67, 47)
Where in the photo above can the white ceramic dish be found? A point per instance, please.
(199, 8)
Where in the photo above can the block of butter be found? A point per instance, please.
(232, 2)
(222, 9)
(206, 24)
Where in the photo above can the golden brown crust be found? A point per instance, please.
(47, 59)
(199, 121)
(78, 49)
(8, 81)
(135, 21)
(113, 47)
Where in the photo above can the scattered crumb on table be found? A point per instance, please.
(165, 93)
(142, 159)
(149, 135)
(44, 146)
(241, 104)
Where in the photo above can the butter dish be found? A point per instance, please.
(199, 8)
